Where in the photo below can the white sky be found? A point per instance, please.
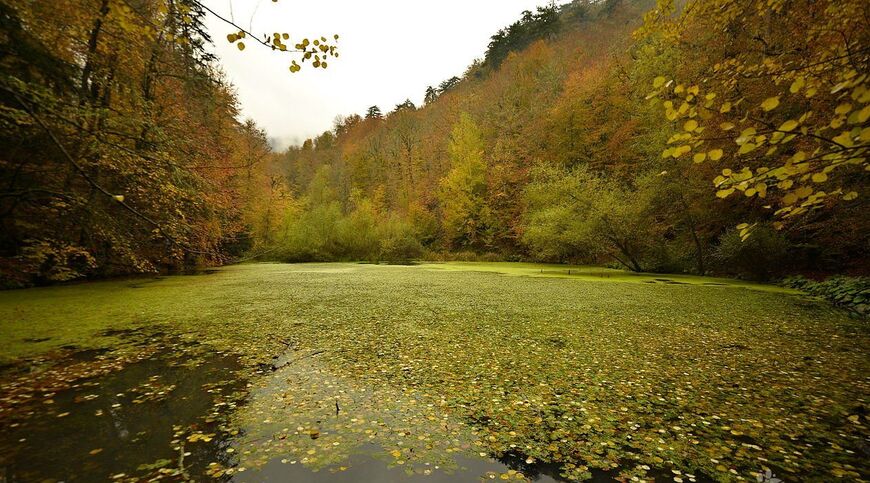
(389, 50)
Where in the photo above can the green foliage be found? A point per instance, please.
(399, 242)
(318, 228)
(51, 261)
(467, 218)
(374, 112)
(762, 256)
(578, 216)
(851, 293)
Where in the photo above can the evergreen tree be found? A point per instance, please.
(405, 105)
(374, 112)
(431, 95)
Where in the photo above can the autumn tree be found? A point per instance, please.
(463, 191)
(785, 115)
(118, 155)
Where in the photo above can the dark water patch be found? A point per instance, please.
(669, 281)
(34, 340)
(533, 469)
(88, 354)
(144, 282)
(196, 271)
(158, 415)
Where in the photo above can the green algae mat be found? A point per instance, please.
(437, 372)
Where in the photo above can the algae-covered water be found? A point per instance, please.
(447, 372)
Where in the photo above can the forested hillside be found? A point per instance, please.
(595, 133)
(704, 137)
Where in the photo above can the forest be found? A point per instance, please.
(629, 242)
(624, 133)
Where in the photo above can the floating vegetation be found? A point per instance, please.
(587, 378)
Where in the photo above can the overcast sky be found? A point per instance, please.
(390, 50)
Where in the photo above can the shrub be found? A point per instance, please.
(762, 256)
(399, 242)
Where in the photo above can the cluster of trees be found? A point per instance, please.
(119, 146)
(727, 136)
(594, 133)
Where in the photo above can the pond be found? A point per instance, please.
(346, 372)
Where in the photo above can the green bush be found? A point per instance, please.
(762, 256)
(852, 293)
(399, 242)
(401, 249)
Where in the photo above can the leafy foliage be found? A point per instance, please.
(118, 157)
(762, 256)
(787, 113)
(852, 293)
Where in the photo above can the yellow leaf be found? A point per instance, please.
(803, 192)
(770, 103)
(850, 196)
(699, 158)
(820, 177)
(681, 150)
(746, 148)
(724, 193)
(843, 108)
(690, 125)
(726, 107)
(658, 82)
(789, 125)
(241, 45)
(715, 154)
(726, 126)
(797, 85)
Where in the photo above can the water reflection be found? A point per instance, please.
(366, 466)
(123, 423)
(182, 412)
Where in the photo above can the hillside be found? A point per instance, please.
(549, 149)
